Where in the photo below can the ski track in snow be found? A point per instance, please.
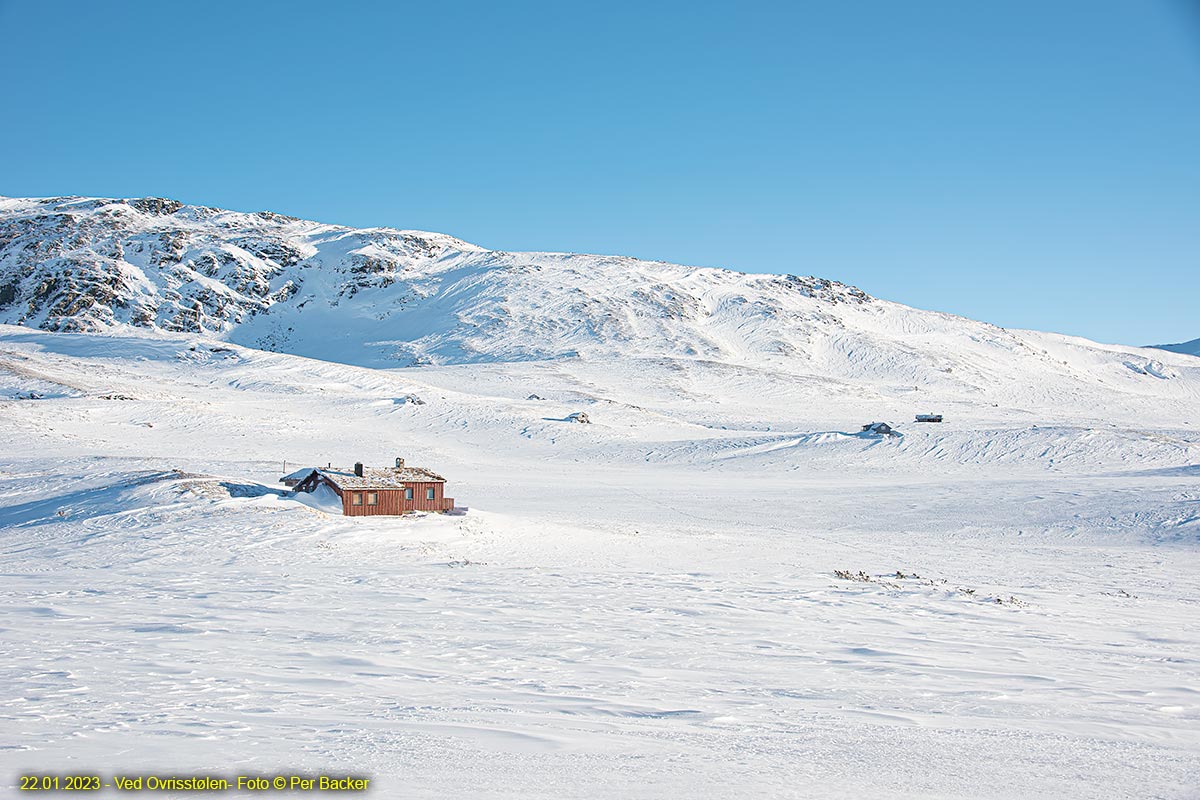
(638, 607)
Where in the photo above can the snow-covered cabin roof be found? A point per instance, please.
(298, 475)
(385, 478)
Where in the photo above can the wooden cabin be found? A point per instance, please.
(370, 491)
(929, 417)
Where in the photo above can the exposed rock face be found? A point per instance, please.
(156, 205)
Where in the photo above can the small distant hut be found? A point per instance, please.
(879, 429)
(929, 417)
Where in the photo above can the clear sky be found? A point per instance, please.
(1032, 163)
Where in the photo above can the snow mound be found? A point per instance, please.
(1154, 369)
(322, 499)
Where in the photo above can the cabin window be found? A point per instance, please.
(372, 498)
(408, 493)
(356, 499)
(429, 493)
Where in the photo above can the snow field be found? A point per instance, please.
(643, 606)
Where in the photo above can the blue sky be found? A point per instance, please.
(1032, 164)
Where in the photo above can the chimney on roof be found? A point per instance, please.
(399, 463)
(358, 468)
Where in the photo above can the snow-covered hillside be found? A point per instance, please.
(393, 297)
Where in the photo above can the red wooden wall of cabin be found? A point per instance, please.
(391, 501)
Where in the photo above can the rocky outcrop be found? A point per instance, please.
(79, 264)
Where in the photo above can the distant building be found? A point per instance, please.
(879, 429)
(370, 491)
(929, 417)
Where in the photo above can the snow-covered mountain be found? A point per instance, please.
(1191, 348)
(85, 264)
(389, 298)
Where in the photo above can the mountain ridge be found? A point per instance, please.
(85, 264)
(1191, 348)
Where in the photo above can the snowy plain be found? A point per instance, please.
(646, 606)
